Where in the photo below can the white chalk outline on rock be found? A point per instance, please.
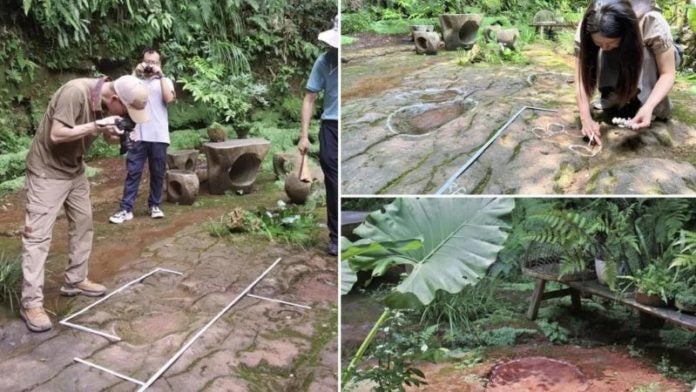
(428, 106)
(146, 384)
(590, 152)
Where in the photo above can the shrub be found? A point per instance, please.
(356, 23)
(291, 109)
(190, 115)
(101, 149)
(11, 185)
(185, 140)
(12, 165)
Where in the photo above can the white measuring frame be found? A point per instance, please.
(146, 384)
(113, 338)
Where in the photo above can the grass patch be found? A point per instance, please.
(10, 280)
(189, 139)
(399, 26)
(347, 41)
(290, 224)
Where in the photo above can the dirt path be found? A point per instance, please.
(256, 346)
(601, 370)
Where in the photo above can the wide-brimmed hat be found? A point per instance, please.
(133, 93)
(332, 37)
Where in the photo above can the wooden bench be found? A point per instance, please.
(592, 287)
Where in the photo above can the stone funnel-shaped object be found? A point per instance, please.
(182, 186)
(460, 30)
(234, 164)
(182, 160)
(508, 37)
(426, 42)
(422, 28)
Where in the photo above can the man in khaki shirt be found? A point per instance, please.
(75, 117)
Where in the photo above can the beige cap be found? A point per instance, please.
(133, 94)
(333, 36)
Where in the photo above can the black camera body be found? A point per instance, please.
(127, 125)
(148, 69)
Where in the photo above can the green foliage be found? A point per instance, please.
(364, 203)
(291, 110)
(686, 258)
(12, 165)
(356, 23)
(394, 352)
(101, 149)
(347, 41)
(11, 186)
(457, 310)
(233, 97)
(687, 297)
(10, 280)
(399, 26)
(494, 53)
(655, 279)
(677, 337)
(16, 63)
(185, 140)
(553, 332)
(479, 337)
(190, 115)
(217, 227)
(461, 246)
(290, 224)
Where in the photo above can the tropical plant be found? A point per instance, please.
(396, 349)
(687, 297)
(233, 97)
(553, 332)
(605, 229)
(460, 240)
(685, 260)
(658, 224)
(655, 280)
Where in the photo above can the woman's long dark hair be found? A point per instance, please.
(612, 19)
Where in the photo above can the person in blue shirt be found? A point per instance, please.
(324, 77)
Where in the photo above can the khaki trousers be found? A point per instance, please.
(45, 197)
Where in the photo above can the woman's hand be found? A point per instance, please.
(590, 128)
(642, 119)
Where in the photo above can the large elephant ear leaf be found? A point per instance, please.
(461, 238)
(348, 277)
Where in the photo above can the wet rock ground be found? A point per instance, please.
(409, 122)
(256, 346)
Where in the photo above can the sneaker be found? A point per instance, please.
(332, 249)
(36, 319)
(86, 287)
(121, 217)
(156, 213)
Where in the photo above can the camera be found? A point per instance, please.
(148, 69)
(127, 125)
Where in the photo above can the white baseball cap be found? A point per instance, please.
(133, 94)
(332, 37)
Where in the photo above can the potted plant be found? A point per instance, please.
(603, 232)
(655, 285)
(686, 301)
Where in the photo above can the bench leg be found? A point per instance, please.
(575, 300)
(536, 299)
